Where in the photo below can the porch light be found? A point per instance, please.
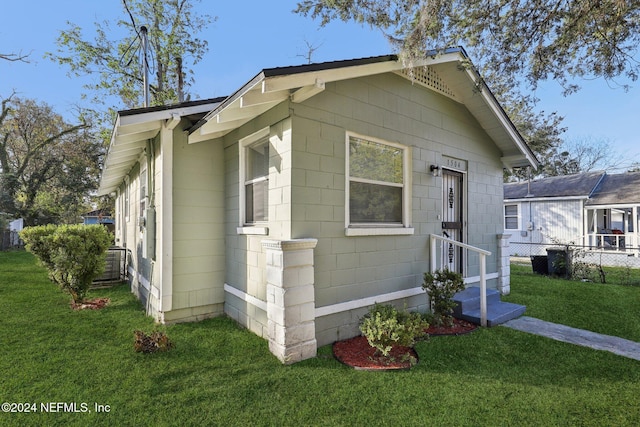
(435, 170)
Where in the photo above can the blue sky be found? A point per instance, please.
(253, 34)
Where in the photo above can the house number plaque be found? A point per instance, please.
(454, 164)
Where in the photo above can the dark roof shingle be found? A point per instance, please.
(557, 186)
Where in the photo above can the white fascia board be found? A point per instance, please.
(545, 199)
(294, 81)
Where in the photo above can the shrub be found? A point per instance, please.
(39, 241)
(441, 286)
(73, 254)
(385, 327)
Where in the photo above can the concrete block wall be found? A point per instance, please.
(433, 126)
(291, 299)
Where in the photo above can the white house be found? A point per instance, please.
(597, 210)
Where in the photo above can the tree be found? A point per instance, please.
(533, 40)
(172, 28)
(47, 166)
(583, 155)
(536, 39)
(14, 57)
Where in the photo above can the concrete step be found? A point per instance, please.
(469, 299)
(497, 313)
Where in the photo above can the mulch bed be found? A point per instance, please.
(459, 327)
(357, 353)
(92, 304)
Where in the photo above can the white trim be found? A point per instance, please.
(262, 305)
(139, 278)
(253, 230)
(365, 302)
(476, 279)
(360, 229)
(545, 199)
(243, 143)
(379, 231)
(164, 250)
(517, 216)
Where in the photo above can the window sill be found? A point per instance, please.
(251, 230)
(379, 231)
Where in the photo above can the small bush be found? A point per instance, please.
(156, 342)
(385, 327)
(441, 286)
(73, 254)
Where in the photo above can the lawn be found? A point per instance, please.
(221, 374)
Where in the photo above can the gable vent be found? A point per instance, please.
(426, 76)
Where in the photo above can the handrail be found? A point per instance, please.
(483, 269)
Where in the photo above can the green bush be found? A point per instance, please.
(385, 327)
(73, 254)
(39, 241)
(441, 286)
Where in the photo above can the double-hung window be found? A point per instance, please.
(511, 217)
(254, 179)
(377, 186)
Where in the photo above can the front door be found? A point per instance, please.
(452, 219)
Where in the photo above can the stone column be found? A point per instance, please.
(291, 299)
(504, 264)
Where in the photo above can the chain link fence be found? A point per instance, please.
(579, 262)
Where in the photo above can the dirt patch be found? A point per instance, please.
(91, 304)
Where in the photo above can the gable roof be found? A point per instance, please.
(618, 189)
(599, 188)
(578, 185)
(134, 127)
(448, 73)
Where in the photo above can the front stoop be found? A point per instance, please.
(498, 312)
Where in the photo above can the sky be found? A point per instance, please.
(249, 36)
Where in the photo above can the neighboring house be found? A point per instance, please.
(311, 193)
(596, 210)
(99, 216)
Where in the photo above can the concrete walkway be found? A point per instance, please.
(619, 346)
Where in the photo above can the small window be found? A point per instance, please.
(256, 184)
(143, 187)
(377, 175)
(511, 217)
(126, 199)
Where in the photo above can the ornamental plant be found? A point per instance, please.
(441, 286)
(385, 327)
(73, 254)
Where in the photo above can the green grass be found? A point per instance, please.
(220, 374)
(604, 308)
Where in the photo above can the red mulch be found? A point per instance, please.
(92, 304)
(357, 353)
(459, 327)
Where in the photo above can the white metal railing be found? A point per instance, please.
(434, 238)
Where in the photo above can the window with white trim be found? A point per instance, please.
(254, 178)
(377, 183)
(511, 220)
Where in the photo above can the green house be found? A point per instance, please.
(313, 192)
